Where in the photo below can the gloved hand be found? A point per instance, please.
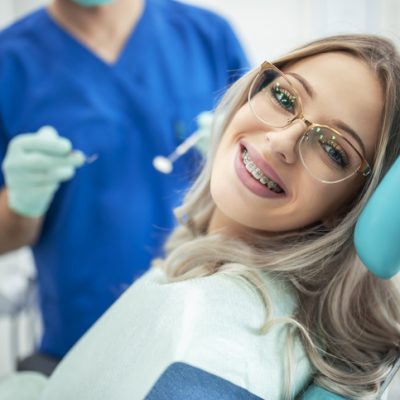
(204, 122)
(34, 167)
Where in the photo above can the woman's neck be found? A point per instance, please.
(104, 29)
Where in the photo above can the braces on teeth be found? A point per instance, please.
(257, 174)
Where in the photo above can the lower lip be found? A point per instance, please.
(250, 182)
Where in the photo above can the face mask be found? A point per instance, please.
(92, 3)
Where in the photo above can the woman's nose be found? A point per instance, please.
(282, 143)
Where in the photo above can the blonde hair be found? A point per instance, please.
(348, 320)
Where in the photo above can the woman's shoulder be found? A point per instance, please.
(210, 323)
(226, 289)
(219, 319)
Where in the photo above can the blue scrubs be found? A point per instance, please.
(107, 223)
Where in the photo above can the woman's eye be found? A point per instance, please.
(334, 152)
(284, 98)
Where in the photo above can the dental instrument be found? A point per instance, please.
(200, 138)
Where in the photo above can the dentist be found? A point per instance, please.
(122, 79)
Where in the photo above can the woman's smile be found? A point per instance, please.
(256, 174)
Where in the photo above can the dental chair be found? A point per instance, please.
(18, 297)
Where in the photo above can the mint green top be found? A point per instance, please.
(211, 323)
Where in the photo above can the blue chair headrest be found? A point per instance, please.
(377, 233)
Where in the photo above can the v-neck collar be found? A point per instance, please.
(85, 51)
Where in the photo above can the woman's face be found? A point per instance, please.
(338, 89)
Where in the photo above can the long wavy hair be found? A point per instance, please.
(348, 320)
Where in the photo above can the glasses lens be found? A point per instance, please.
(272, 99)
(328, 156)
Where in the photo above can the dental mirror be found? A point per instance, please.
(165, 164)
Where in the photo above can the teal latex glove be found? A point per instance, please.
(204, 123)
(34, 167)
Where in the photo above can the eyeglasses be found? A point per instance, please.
(326, 153)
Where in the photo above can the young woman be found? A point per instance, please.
(299, 230)
(261, 286)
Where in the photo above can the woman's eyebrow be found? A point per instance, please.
(307, 87)
(344, 127)
(338, 123)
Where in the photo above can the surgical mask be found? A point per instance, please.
(92, 3)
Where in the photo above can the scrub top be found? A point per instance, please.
(107, 223)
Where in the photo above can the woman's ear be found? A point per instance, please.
(328, 223)
(331, 221)
(334, 218)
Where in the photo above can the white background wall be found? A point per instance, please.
(267, 29)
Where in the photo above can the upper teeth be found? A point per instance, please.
(258, 174)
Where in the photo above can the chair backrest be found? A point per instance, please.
(377, 233)
(377, 242)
